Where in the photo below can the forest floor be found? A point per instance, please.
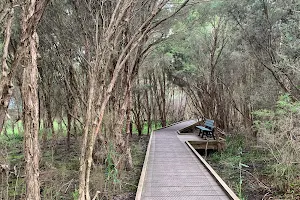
(59, 171)
(252, 172)
(247, 168)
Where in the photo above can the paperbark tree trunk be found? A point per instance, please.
(32, 13)
(128, 114)
(111, 60)
(6, 87)
(31, 122)
(83, 180)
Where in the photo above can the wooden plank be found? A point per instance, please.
(171, 166)
(143, 174)
(189, 128)
(144, 169)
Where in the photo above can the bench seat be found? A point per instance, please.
(207, 129)
(203, 128)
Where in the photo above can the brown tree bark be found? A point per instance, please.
(5, 85)
(111, 60)
(84, 192)
(128, 113)
(69, 126)
(31, 121)
(138, 110)
(159, 90)
(32, 13)
(148, 107)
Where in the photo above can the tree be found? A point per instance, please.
(123, 31)
(6, 85)
(266, 25)
(32, 13)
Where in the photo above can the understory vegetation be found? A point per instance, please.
(59, 169)
(264, 165)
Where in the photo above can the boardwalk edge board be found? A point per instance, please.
(143, 174)
(170, 125)
(225, 187)
(196, 122)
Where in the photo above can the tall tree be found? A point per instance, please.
(6, 85)
(32, 13)
(25, 54)
(114, 46)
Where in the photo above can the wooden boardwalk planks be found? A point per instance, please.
(172, 171)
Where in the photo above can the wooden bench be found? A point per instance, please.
(207, 129)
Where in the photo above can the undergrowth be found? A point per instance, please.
(266, 165)
(59, 169)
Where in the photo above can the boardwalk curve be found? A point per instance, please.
(172, 171)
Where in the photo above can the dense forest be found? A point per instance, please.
(84, 83)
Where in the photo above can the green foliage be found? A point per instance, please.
(284, 108)
(15, 131)
(75, 195)
(145, 127)
(268, 119)
(238, 157)
(279, 133)
(60, 126)
(111, 171)
(11, 129)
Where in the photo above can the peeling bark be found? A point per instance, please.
(32, 13)
(31, 122)
(6, 87)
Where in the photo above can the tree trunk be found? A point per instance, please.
(148, 109)
(124, 147)
(128, 113)
(45, 132)
(122, 12)
(6, 87)
(83, 172)
(69, 123)
(49, 120)
(31, 121)
(32, 13)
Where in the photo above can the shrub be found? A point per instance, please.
(279, 132)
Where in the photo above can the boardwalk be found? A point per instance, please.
(172, 171)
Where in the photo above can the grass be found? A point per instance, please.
(61, 127)
(229, 163)
(145, 128)
(130, 179)
(59, 167)
(17, 130)
(154, 126)
(18, 126)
